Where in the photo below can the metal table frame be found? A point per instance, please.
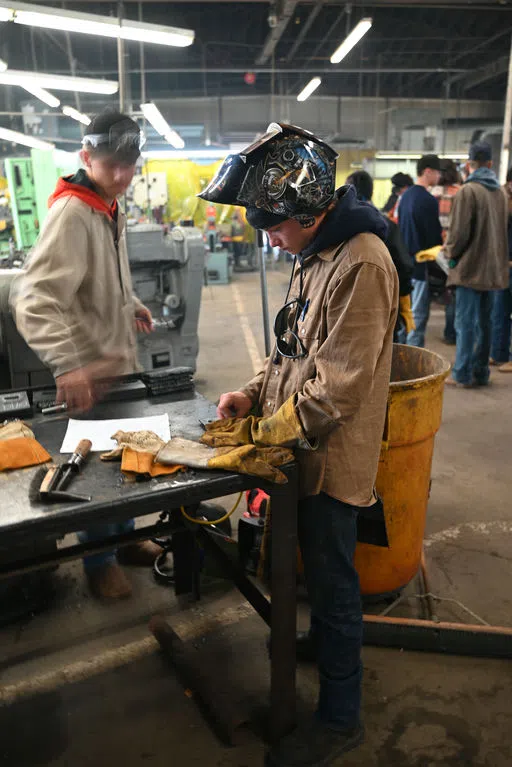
(167, 493)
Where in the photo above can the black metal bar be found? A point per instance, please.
(212, 691)
(78, 550)
(284, 500)
(211, 541)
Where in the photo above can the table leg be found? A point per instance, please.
(283, 606)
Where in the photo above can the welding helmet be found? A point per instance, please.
(288, 172)
(113, 133)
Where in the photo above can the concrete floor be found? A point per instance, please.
(85, 683)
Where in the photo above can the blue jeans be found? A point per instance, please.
(327, 536)
(501, 324)
(420, 299)
(99, 532)
(473, 328)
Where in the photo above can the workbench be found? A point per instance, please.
(115, 500)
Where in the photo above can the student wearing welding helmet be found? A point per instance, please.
(323, 391)
(75, 307)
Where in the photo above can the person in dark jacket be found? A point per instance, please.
(418, 218)
(401, 183)
(404, 265)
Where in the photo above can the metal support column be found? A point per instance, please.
(264, 291)
(121, 63)
(507, 124)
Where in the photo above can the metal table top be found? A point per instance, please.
(113, 499)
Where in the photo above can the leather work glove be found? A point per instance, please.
(19, 448)
(406, 314)
(282, 428)
(245, 459)
(136, 462)
(430, 254)
(140, 441)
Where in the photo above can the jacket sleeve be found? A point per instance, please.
(459, 234)
(253, 388)
(43, 297)
(360, 312)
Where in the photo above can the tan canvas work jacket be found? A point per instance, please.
(342, 384)
(74, 302)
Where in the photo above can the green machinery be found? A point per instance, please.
(20, 179)
(31, 180)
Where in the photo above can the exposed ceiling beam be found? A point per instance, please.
(485, 73)
(478, 5)
(305, 29)
(286, 10)
(278, 70)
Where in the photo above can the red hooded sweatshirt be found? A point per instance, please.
(67, 188)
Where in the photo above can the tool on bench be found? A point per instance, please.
(57, 478)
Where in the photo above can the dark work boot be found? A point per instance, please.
(314, 745)
(304, 647)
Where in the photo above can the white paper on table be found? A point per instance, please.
(100, 432)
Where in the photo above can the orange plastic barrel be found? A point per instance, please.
(415, 405)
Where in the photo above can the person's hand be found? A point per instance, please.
(143, 320)
(81, 388)
(234, 404)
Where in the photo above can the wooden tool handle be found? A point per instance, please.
(83, 447)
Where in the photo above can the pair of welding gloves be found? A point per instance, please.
(255, 446)
(19, 448)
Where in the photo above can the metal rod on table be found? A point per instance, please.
(264, 292)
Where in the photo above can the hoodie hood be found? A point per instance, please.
(485, 176)
(348, 218)
(78, 186)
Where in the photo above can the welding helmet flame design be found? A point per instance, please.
(288, 172)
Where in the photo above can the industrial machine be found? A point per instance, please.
(167, 273)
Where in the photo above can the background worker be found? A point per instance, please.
(404, 265)
(325, 386)
(418, 218)
(75, 307)
(449, 184)
(401, 183)
(477, 249)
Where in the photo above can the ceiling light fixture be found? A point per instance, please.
(76, 115)
(58, 82)
(351, 40)
(160, 124)
(42, 95)
(92, 24)
(309, 88)
(22, 138)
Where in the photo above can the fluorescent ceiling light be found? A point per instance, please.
(22, 138)
(76, 115)
(58, 82)
(160, 124)
(3, 65)
(42, 95)
(416, 156)
(351, 40)
(174, 139)
(186, 154)
(308, 89)
(92, 24)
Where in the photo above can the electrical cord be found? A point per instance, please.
(213, 521)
